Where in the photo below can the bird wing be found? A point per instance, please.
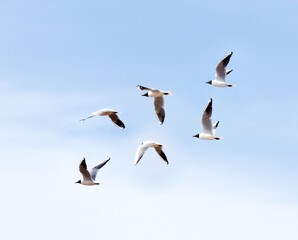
(229, 71)
(84, 171)
(158, 149)
(215, 125)
(141, 150)
(114, 117)
(206, 118)
(90, 116)
(95, 169)
(221, 68)
(159, 109)
(145, 88)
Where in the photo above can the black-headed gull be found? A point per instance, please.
(221, 72)
(107, 112)
(145, 145)
(208, 128)
(89, 177)
(158, 101)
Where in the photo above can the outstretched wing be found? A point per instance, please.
(84, 171)
(158, 149)
(206, 118)
(141, 150)
(221, 68)
(145, 88)
(215, 125)
(95, 169)
(159, 109)
(114, 117)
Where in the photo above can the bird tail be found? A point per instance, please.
(231, 85)
(167, 93)
(218, 138)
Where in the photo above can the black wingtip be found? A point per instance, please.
(120, 124)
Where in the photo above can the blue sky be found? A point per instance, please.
(60, 61)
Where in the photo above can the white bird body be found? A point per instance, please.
(89, 177)
(158, 101)
(158, 93)
(101, 112)
(221, 72)
(206, 136)
(107, 112)
(89, 183)
(208, 128)
(217, 83)
(145, 145)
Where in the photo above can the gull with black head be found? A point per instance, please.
(208, 128)
(89, 177)
(221, 72)
(158, 101)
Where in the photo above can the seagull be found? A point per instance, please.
(221, 72)
(208, 128)
(145, 145)
(88, 179)
(158, 101)
(107, 112)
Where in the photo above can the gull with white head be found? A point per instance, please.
(145, 145)
(107, 112)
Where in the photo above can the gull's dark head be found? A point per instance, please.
(209, 82)
(79, 182)
(145, 95)
(197, 135)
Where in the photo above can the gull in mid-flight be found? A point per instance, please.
(145, 145)
(208, 128)
(89, 177)
(158, 101)
(221, 72)
(107, 112)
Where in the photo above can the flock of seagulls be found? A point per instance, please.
(158, 95)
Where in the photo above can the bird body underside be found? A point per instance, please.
(155, 94)
(218, 83)
(104, 112)
(89, 183)
(205, 136)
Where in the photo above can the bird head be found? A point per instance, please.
(79, 182)
(197, 136)
(145, 95)
(209, 82)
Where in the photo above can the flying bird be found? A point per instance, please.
(89, 177)
(145, 145)
(107, 112)
(221, 72)
(208, 128)
(158, 101)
